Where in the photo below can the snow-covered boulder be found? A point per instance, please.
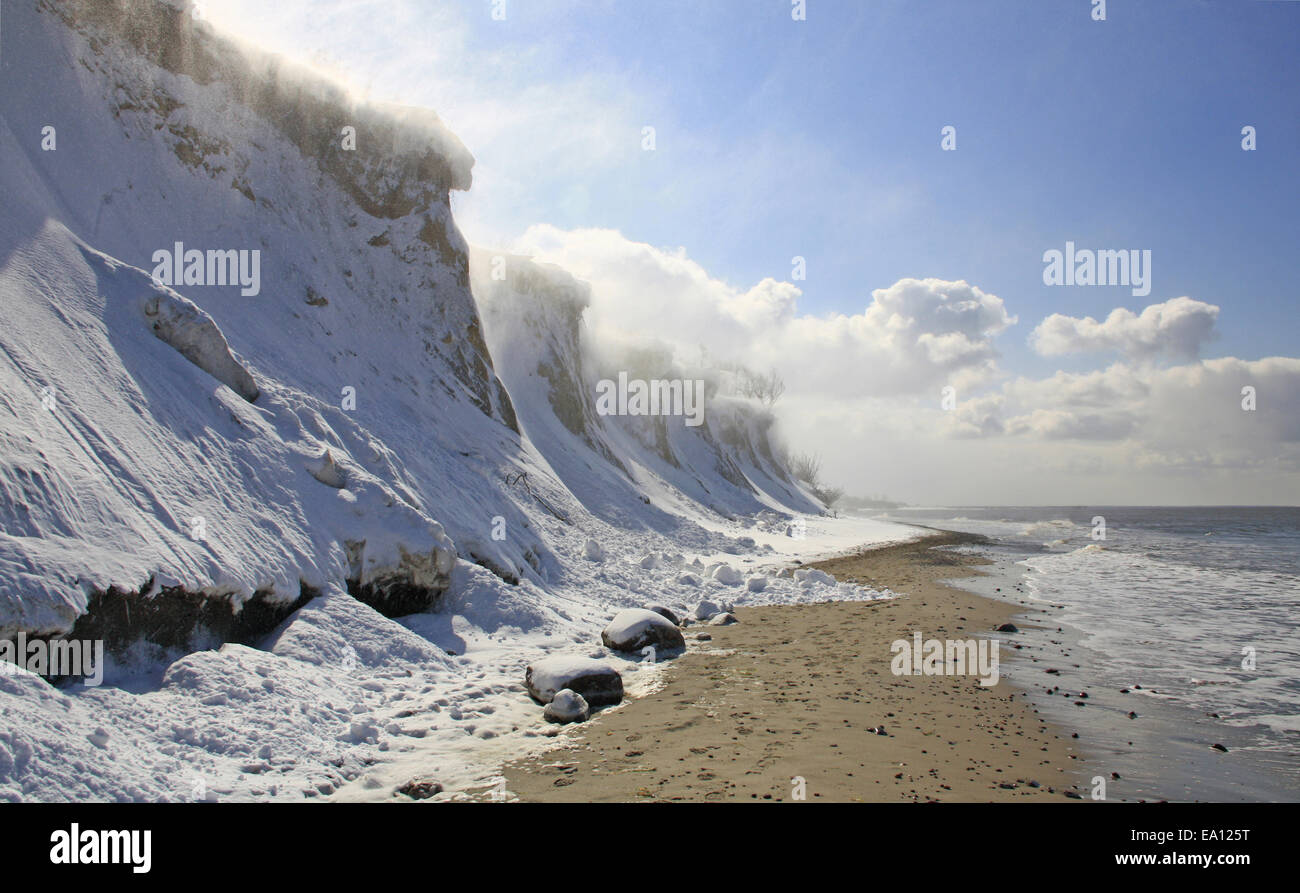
(593, 551)
(688, 580)
(727, 575)
(726, 618)
(338, 632)
(635, 628)
(595, 680)
(665, 611)
(809, 576)
(567, 706)
(705, 609)
(756, 584)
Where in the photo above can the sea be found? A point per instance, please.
(1181, 625)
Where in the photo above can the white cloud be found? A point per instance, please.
(911, 337)
(1176, 328)
(864, 390)
(1191, 414)
(978, 417)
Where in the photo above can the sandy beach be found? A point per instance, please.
(805, 692)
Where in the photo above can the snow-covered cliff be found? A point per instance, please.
(250, 413)
(125, 459)
(725, 465)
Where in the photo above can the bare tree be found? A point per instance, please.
(767, 389)
(745, 385)
(806, 467)
(830, 495)
(774, 387)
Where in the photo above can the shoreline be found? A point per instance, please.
(804, 691)
(1162, 751)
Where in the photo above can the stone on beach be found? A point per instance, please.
(664, 611)
(705, 609)
(635, 628)
(420, 788)
(567, 706)
(596, 681)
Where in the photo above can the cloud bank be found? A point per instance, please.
(865, 390)
(909, 338)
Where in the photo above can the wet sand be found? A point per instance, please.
(802, 692)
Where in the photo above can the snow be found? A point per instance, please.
(195, 336)
(336, 629)
(157, 436)
(811, 577)
(727, 575)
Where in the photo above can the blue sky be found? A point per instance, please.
(821, 138)
(1115, 133)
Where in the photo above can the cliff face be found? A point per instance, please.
(241, 360)
(726, 464)
(232, 116)
(355, 355)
